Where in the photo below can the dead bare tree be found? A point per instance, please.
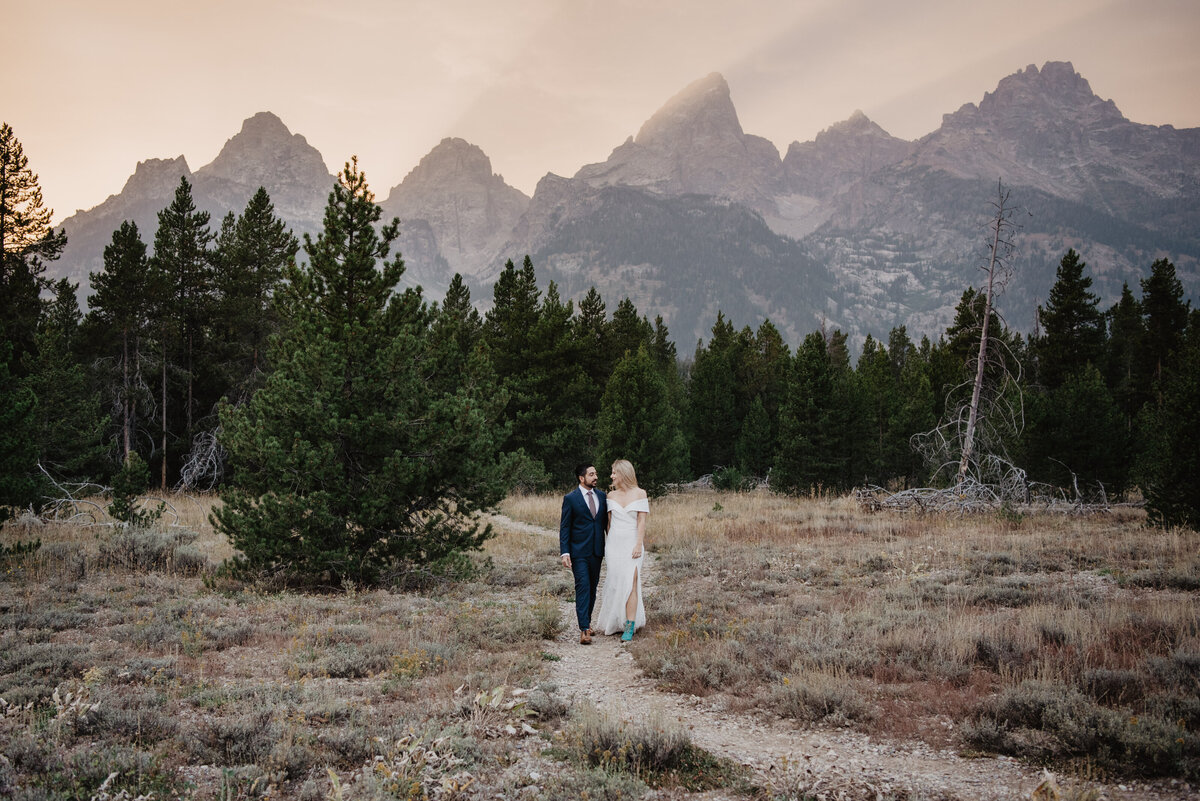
(998, 271)
(970, 443)
(204, 466)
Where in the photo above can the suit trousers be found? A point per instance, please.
(586, 570)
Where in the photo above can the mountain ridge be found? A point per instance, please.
(879, 226)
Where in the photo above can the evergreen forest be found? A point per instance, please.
(353, 426)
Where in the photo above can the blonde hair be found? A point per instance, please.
(624, 469)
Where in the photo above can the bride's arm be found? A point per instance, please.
(641, 534)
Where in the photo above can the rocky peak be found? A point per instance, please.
(841, 154)
(1055, 92)
(157, 177)
(856, 125)
(452, 162)
(703, 109)
(468, 209)
(694, 144)
(1047, 129)
(266, 153)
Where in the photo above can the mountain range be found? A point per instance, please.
(857, 229)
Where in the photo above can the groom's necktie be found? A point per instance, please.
(592, 502)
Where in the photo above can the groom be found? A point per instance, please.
(581, 543)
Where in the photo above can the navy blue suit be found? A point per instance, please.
(582, 536)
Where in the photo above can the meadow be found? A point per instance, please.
(131, 667)
(1063, 640)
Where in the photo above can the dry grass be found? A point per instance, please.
(954, 630)
(1056, 639)
(539, 510)
(123, 651)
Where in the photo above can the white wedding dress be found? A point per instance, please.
(621, 567)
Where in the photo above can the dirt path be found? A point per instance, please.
(785, 756)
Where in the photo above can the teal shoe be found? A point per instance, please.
(628, 635)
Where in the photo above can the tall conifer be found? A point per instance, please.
(182, 264)
(350, 464)
(637, 422)
(70, 421)
(252, 251)
(26, 242)
(1072, 325)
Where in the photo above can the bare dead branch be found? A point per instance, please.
(204, 466)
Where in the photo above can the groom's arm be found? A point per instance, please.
(564, 531)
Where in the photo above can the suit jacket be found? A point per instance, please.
(580, 534)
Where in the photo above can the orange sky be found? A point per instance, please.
(540, 85)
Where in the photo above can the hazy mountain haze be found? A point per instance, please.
(538, 85)
(856, 229)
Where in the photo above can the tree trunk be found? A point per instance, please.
(164, 419)
(973, 416)
(125, 410)
(190, 385)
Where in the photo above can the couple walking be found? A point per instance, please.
(595, 526)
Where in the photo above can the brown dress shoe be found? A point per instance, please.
(585, 637)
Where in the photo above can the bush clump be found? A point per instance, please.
(1042, 722)
(654, 752)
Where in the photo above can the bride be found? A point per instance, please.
(621, 607)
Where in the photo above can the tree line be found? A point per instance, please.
(353, 426)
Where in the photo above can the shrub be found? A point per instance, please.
(547, 617)
(635, 748)
(144, 549)
(244, 740)
(133, 478)
(188, 560)
(818, 697)
(653, 751)
(732, 479)
(1042, 721)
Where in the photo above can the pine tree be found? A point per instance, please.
(846, 419)
(559, 428)
(1168, 424)
(509, 333)
(755, 446)
(875, 381)
(666, 358)
(182, 264)
(118, 324)
(351, 464)
(1166, 315)
(982, 399)
(457, 331)
(1125, 331)
(1072, 325)
(713, 420)
(26, 242)
(806, 457)
(19, 484)
(251, 253)
(760, 362)
(591, 331)
(70, 421)
(1170, 461)
(916, 413)
(913, 408)
(627, 331)
(637, 422)
(1075, 437)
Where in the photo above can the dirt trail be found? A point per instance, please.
(783, 754)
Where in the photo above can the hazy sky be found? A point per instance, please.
(541, 85)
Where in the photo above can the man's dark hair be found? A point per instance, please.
(581, 469)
